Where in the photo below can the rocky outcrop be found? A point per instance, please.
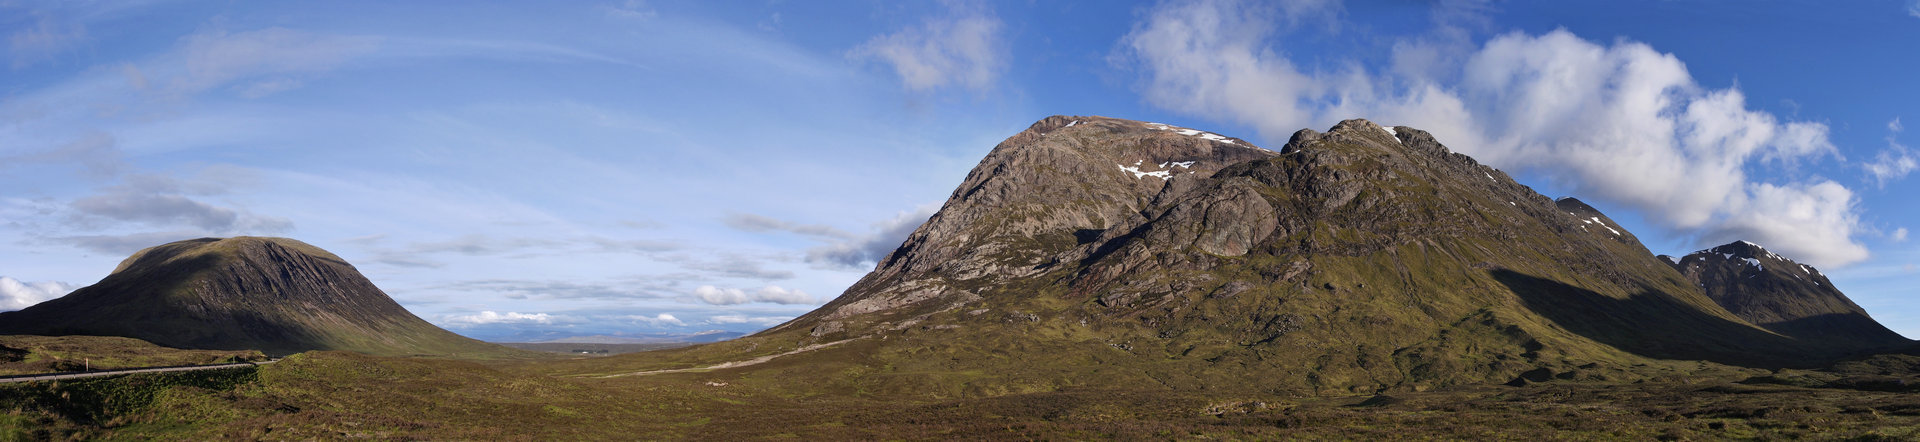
(275, 295)
(1061, 183)
(1784, 296)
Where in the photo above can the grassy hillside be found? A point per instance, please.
(333, 395)
(275, 295)
(24, 354)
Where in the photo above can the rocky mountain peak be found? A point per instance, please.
(1061, 183)
(1782, 295)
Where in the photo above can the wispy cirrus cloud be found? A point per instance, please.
(1893, 163)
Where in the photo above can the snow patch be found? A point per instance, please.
(1192, 133)
(1391, 133)
(1754, 262)
(1163, 175)
(1074, 123)
(1675, 261)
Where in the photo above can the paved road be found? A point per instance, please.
(94, 374)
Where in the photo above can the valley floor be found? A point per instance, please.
(329, 395)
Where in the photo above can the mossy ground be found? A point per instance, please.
(328, 395)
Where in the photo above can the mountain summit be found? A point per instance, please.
(1101, 251)
(276, 295)
(1784, 296)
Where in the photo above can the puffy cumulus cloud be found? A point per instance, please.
(769, 294)
(1620, 122)
(16, 294)
(1811, 223)
(660, 320)
(1210, 58)
(491, 317)
(869, 249)
(1898, 235)
(1895, 162)
(963, 47)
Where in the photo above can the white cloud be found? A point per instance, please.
(1895, 162)
(1622, 122)
(1898, 235)
(962, 48)
(777, 295)
(663, 319)
(1913, 8)
(869, 249)
(491, 317)
(769, 294)
(16, 294)
(1812, 223)
(758, 223)
(719, 296)
(744, 319)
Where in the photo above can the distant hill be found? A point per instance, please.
(647, 338)
(1787, 297)
(276, 295)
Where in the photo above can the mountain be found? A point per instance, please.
(276, 295)
(1098, 251)
(1784, 296)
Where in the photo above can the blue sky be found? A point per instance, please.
(518, 170)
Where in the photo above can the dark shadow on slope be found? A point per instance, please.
(1655, 325)
(1841, 330)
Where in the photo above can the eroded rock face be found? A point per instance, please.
(1061, 183)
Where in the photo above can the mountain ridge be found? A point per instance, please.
(1361, 259)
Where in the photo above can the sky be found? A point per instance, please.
(535, 170)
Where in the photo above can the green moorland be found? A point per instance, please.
(820, 394)
(26, 354)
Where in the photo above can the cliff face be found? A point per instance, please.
(276, 295)
(1784, 296)
(1365, 258)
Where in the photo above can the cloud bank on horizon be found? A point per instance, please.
(523, 170)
